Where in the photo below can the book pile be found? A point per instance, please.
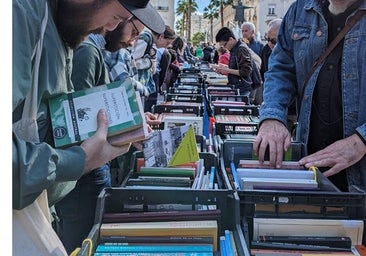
(185, 237)
(252, 176)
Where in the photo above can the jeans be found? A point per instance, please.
(76, 211)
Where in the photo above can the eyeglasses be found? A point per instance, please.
(134, 26)
(136, 30)
(272, 40)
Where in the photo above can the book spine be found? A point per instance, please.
(156, 239)
(152, 254)
(235, 176)
(229, 245)
(212, 178)
(154, 248)
(342, 242)
(223, 251)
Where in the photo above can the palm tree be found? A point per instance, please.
(221, 4)
(186, 8)
(211, 12)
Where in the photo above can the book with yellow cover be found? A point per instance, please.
(74, 115)
(200, 228)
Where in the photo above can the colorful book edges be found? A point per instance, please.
(153, 254)
(201, 228)
(74, 115)
(156, 248)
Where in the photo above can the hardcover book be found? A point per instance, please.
(201, 228)
(74, 115)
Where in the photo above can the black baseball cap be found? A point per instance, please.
(145, 13)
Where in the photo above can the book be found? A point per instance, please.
(160, 181)
(332, 241)
(153, 254)
(168, 171)
(284, 252)
(74, 115)
(309, 227)
(199, 228)
(171, 147)
(151, 248)
(279, 183)
(155, 239)
(161, 216)
(223, 246)
(286, 165)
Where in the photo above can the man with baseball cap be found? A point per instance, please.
(44, 34)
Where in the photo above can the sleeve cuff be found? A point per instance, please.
(361, 137)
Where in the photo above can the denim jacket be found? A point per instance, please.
(301, 40)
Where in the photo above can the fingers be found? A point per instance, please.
(102, 124)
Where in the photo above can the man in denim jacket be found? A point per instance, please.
(332, 106)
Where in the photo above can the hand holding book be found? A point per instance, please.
(98, 155)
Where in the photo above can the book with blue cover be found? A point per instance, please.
(156, 248)
(74, 115)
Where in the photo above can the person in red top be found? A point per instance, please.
(224, 56)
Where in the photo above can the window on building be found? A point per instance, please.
(162, 5)
(271, 9)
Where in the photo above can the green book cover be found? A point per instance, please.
(74, 115)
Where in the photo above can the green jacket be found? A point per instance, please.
(38, 166)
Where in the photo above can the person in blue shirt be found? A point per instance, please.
(332, 105)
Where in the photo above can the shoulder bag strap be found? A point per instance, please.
(352, 21)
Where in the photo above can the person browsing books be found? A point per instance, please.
(94, 65)
(240, 67)
(331, 103)
(44, 36)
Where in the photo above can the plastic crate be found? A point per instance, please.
(326, 203)
(115, 200)
(210, 160)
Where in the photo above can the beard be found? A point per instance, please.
(73, 20)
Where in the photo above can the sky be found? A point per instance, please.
(201, 4)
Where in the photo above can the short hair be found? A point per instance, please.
(248, 24)
(178, 43)
(168, 33)
(221, 50)
(224, 34)
(276, 23)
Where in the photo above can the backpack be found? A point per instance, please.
(141, 52)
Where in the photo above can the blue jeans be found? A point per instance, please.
(76, 211)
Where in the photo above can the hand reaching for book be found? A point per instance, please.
(97, 149)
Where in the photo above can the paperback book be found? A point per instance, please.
(74, 115)
(171, 147)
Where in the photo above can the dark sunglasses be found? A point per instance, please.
(272, 40)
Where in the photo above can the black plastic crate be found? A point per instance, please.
(327, 202)
(117, 200)
(210, 160)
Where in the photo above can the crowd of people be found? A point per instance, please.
(63, 46)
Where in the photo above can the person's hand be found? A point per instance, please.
(151, 119)
(97, 149)
(275, 135)
(222, 69)
(338, 156)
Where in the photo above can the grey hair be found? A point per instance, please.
(248, 24)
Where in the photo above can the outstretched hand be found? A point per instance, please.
(97, 149)
(338, 156)
(275, 135)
